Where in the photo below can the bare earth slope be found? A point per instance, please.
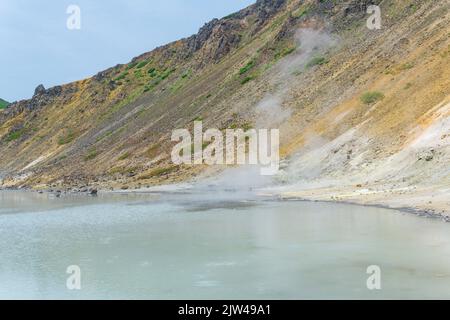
(366, 112)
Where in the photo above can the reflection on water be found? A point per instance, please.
(183, 246)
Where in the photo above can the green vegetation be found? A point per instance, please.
(230, 16)
(125, 156)
(247, 79)
(158, 172)
(284, 52)
(316, 61)
(66, 139)
(138, 74)
(152, 72)
(199, 118)
(129, 99)
(372, 97)
(122, 170)
(181, 81)
(408, 85)
(413, 8)
(247, 126)
(131, 65)
(121, 76)
(186, 74)
(152, 152)
(152, 84)
(15, 135)
(92, 154)
(167, 73)
(300, 12)
(142, 64)
(3, 104)
(158, 80)
(105, 135)
(247, 67)
(407, 66)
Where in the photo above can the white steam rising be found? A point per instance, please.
(310, 44)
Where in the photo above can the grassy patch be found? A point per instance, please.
(187, 74)
(158, 172)
(181, 81)
(122, 170)
(247, 67)
(153, 151)
(142, 64)
(300, 12)
(131, 65)
(247, 79)
(138, 74)
(125, 156)
(3, 104)
(66, 139)
(167, 73)
(152, 72)
(284, 52)
(158, 80)
(407, 66)
(92, 154)
(372, 97)
(121, 76)
(126, 101)
(316, 61)
(15, 135)
(247, 126)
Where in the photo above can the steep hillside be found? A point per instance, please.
(364, 114)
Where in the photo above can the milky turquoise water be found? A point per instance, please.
(184, 246)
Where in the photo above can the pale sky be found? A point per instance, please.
(37, 47)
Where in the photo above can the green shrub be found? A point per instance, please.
(300, 12)
(157, 172)
(284, 52)
(316, 61)
(138, 74)
(92, 154)
(247, 79)
(247, 67)
(142, 64)
(121, 76)
(131, 65)
(186, 74)
(247, 126)
(126, 155)
(3, 104)
(15, 135)
(372, 97)
(66, 139)
(167, 73)
(407, 66)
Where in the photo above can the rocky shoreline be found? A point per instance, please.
(438, 211)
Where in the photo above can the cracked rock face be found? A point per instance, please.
(40, 89)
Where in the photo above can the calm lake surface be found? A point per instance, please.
(176, 246)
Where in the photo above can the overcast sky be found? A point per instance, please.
(37, 47)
